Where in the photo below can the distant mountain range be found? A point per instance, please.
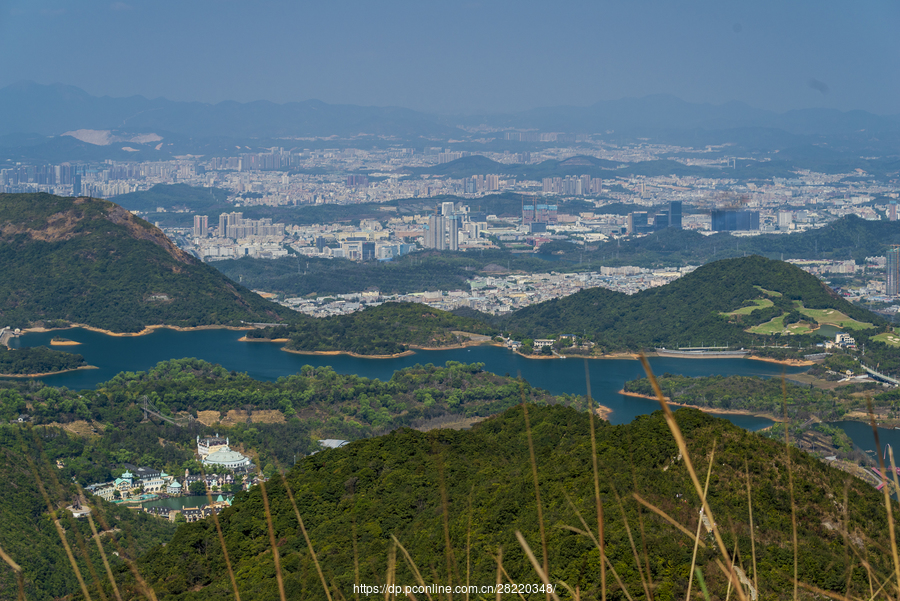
(53, 110)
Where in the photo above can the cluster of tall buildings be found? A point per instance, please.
(446, 227)
(642, 222)
(734, 221)
(233, 225)
(571, 185)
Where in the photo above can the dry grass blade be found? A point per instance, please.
(499, 579)
(145, 588)
(601, 544)
(73, 527)
(412, 565)
(669, 519)
(787, 452)
(637, 559)
(275, 554)
(215, 516)
(752, 535)
(109, 574)
(309, 546)
(828, 594)
(887, 496)
(59, 528)
(391, 572)
(587, 532)
(445, 511)
(615, 574)
(733, 555)
(537, 487)
(712, 456)
(536, 565)
(20, 579)
(682, 447)
(508, 579)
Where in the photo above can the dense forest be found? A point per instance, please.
(698, 309)
(37, 360)
(91, 262)
(760, 395)
(455, 499)
(386, 329)
(280, 420)
(847, 238)
(27, 530)
(174, 197)
(417, 272)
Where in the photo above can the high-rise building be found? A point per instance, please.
(447, 209)
(201, 226)
(675, 214)
(729, 221)
(434, 237)
(892, 210)
(453, 232)
(892, 274)
(76, 185)
(785, 219)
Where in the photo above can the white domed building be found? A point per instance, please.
(225, 457)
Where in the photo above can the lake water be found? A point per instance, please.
(266, 361)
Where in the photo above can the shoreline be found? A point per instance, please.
(603, 412)
(790, 362)
(144, 332)
(49, 373)
(55, 342)
(714, 411)
(281, 340)
(357, 355)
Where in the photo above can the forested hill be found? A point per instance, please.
(697, 309)
(27, 531)
(454, 500)
(847, 238)
(89, 261)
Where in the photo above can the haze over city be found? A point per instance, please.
(462, 57)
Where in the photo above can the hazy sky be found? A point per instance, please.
(447, 56)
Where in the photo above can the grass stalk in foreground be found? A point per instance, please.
(309, 546)
(275, 554)
(682, 447)
(17, 570)
(537, 487)
(215, 516)
(59, 528)
(887, 496)
(712, 456)
(752, 535)
(602, 543)
(787, 454)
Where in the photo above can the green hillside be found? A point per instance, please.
(27, 531)
(702, 308)
(174, 197)
(847, 238)
(454, 500)
(92, 262)
(386, 329)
